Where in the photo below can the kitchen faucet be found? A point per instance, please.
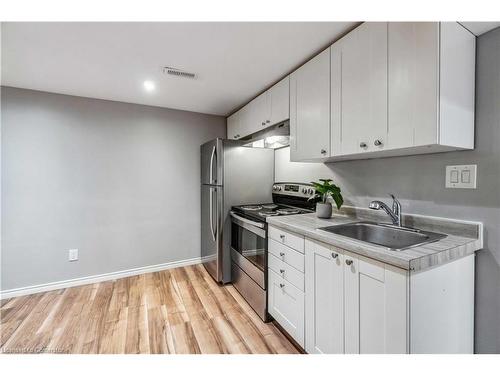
(394, 214)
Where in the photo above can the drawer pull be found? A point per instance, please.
(335, 256)
(282, 286)
(282, 236)
(348, 262)
(282, 271)
(363, 145)
(282, 254)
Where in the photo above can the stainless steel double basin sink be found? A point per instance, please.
(391, 237)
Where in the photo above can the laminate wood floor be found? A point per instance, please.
(181, 310)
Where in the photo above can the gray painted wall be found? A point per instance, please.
(120, 182)
(419, 182)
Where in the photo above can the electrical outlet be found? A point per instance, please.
(461, 176)
(72, 255)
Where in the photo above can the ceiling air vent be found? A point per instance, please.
(177, 72)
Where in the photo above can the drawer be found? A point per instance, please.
(286, 305)
(295, 241)
(286, 271)
(286, 254)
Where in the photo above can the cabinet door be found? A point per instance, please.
(324, 299)
(375, 306)
(413, 83)
(233, 126)
(310, 109)
(286, 305)
(257, 114)
(279, 102)
(364, 88)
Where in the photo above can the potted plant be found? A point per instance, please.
(323, 190)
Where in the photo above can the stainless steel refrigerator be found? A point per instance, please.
(231, 174)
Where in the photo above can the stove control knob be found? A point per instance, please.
(279, 188)
(304, 190)
(310, 191)
(274, 188)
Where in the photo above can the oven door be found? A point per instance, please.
(249, 247)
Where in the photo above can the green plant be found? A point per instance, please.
(324, 189)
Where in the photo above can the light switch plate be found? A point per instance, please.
(461, 176)
(72, 255)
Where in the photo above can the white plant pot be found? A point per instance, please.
(323, 210)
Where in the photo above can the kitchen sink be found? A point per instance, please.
(389, 236)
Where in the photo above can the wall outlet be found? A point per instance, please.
(461, 176)
(72, 255)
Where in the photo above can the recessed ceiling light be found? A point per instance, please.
(149, 86)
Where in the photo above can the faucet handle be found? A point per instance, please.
(396, 205)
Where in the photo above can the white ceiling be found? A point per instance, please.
(478, 28)
(233, 61)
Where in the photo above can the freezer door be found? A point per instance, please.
(211, 162)
(211, 230)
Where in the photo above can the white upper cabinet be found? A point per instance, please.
(233, 126)
(431, 86)
(278, 98)
(359, 90)
(310, 109)
(267, 109)
(413, 83)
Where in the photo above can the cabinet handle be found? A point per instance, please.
(282, 254)
(263, 123)
(348, 262)
(282, 286)
(323, 151)
(282, 236)
(237, 136)
(377, 142)
(282, 271)
(335, 256)
(363, 145)
(268, 121)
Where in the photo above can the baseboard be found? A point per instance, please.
(10, 293)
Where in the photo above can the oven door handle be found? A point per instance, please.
(252, 226)
(254, 223)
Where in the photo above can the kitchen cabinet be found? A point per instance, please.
(310, 109)
(270, 108)
(353, 304)
(396, 88)
(279, 101)
(286, 281)
(375, 307)
(324, 299)
(431, 86)
(359, 90)
(234, 130)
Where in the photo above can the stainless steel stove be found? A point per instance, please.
(249, 239)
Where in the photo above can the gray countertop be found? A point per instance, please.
(463, 238)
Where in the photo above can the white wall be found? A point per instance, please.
(120, 182)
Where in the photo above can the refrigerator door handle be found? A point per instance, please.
(211, 204)
(212, 165)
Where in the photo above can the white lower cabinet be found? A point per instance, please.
(353, 304)
(375, 306)
(286, 305)
(324, 299)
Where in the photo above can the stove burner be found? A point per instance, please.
(288, 211)
(268, 213)
(270, 206)
(251, 208)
